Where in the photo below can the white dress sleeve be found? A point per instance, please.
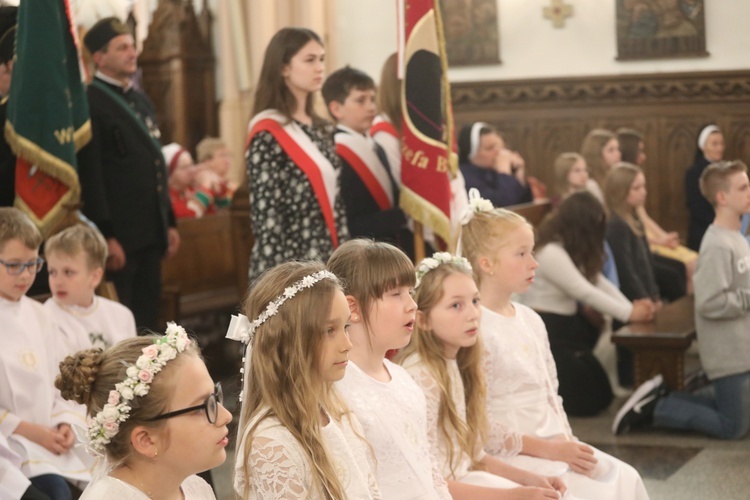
(277, 469)
(501, 441)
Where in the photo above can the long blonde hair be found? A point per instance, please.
(284, 380)
(592, 149)
(485, 233)
(430, 350)
(616, 190)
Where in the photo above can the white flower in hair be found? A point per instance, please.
(438, 259)
(476, 205)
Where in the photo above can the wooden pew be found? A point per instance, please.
(209, 272)
(659, 346)
(534, 211)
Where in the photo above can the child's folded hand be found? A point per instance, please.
(49, 438)
(67, 433)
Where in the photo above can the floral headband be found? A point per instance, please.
(106, 424)
(437, 260)
(243, 330)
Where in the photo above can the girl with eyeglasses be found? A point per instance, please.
(155, 417)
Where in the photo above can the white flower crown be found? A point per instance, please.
(477, 205)
(242, 330)
(106, 424)
(430, 263)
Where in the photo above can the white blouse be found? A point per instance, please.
(193, 488)
(279, 467)
(559, 285)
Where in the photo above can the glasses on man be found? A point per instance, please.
(16, 268)
(211, 405)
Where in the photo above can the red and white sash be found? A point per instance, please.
(359, 152)
(385, 134)
(306, 155)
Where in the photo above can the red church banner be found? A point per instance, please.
(426, 151)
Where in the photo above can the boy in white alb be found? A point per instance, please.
(76, 258)
(34, 419)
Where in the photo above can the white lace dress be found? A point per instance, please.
(462, 462)
(279, 467)
(522, 395)
(393, 415)
(193, 488)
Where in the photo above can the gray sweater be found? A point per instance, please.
(722, 302)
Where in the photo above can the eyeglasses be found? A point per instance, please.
(16, 268)
(211, 405)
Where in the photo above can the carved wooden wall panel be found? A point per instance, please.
(542, 118)
(178, 73)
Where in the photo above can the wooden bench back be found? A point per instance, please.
(534, 211)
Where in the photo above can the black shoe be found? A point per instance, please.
(638, 410)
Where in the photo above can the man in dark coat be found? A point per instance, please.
(123, 176)
(8, 17)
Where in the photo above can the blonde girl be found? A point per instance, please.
(521, 374)
(155, 416)
(385, 399)
(297, 439)
(600, 149)
(445, 359)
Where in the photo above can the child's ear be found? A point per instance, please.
(96, 276)
(423, 321)
(354, 309)
(145, 441)
(486, 265)
(334, 107)
(721, 198)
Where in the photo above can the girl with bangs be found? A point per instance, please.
(444, 358)
(297, 438)
(381, 394)
(520, 370)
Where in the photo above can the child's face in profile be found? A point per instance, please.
(71, 280)
(392, 318)
(14, 252)
(183, 175)
(513, 263)
(357, 111)
(221, 162)
(335, 347)
(611, 152)
(578, 175)
(637, 194)
(454, 319)
(737, 195)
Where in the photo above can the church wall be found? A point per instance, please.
(530, 47)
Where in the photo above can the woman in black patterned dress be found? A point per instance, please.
(292, 166)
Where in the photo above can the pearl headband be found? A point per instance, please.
(703, 136)
(242, 330)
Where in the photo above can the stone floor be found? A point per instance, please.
(674, 465)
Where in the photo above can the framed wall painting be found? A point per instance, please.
(471, 32)
(660, 29)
